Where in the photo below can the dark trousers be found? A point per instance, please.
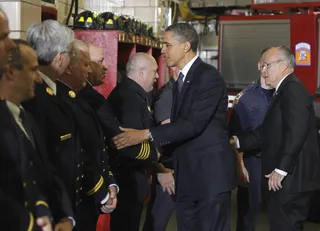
(86, 215)
(209, 214)
(127, 214)
(288, 212)
(160, 208)
(249, 198)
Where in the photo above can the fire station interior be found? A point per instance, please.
(232, 35)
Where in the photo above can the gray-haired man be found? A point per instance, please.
(50, 39)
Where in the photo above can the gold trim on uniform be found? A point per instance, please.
(30, 227)
(65, 137)
(144, 151)
(72, 94)
(49, 91)
(42, 203)
(96, 187)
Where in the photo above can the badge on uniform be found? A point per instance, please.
(236, 100)
(72, 94)
(49, 91)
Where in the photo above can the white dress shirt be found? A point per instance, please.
(187, 67)
(15, 111)
(49, 82)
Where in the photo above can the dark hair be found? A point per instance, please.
(185, 32)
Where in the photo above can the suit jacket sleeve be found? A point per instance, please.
(205, 102)
(296, 113)
(132, 113)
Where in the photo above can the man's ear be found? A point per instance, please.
(187, 46)
(68, 70)
(9, 72)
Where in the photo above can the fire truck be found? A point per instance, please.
(243, 37)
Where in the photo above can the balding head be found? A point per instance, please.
(143, 69)
(98, 65)
(277, 62)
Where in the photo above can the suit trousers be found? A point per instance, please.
(288, 212)
(249, 198)
(208, 214)
(160, 208)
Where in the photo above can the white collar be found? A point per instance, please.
(49, 82)
(187, 67)
(281, 82)
(14, 109)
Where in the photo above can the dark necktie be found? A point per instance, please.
(26, 126)
(180, 81)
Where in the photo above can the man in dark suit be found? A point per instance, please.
(31, 187)
(288, 141)
(204, 163)
(91, 135)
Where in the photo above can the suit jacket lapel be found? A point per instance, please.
(288, 79)
(186, 84)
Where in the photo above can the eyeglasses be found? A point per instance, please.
(268, 65)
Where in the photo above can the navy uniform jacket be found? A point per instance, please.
(99, 104)
(92, 140)
(27, 184)
(130, 104)
(250, 106)
(61, 134)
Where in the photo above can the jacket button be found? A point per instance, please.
(78, 165)
(25, 203)
(34, 182)
(81, 189)
(31, 163)
(82, 176)
(24, 184)
(104, 170)
(78, 178)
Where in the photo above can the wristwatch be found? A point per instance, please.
(150, 137)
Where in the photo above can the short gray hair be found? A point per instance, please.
(185, 32)
(48, 39)
(76, 46)
(288, 56)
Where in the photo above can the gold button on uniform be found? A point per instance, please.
(25, 204)
(24, 184)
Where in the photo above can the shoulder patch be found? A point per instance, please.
(236, 100)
